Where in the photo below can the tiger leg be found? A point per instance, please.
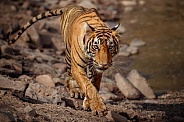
(74, 89)
(92, 98)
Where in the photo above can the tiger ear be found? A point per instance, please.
(115, 27)
(88, 27)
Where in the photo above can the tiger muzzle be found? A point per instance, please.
(102, 67)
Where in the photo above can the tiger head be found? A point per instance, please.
(101, 45)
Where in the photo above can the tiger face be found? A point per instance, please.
(101, 46)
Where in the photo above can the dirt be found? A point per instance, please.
(168, 106)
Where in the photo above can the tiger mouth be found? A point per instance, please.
(102, 67)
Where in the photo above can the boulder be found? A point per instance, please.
(127, 89)
(141, 84)
(46, 80)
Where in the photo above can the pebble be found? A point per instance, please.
(126, 54)
(132, 50)
(127, 89)
(27, 109)
(141, 84)
(107, 95)
(26, 5)
(46, 80)
(128, 2)
(137, 43)
(64, 3)
(115, 117)
(13, 8)
(87, 4)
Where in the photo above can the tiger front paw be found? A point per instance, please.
(96, 105)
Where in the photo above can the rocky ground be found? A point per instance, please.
(32, 86)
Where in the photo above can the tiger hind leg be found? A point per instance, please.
(74, 89)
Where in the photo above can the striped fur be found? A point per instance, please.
(90, 47)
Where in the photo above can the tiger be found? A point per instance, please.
(90, 46)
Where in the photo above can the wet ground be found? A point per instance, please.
(160, 24)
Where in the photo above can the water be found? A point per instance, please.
(161, 25)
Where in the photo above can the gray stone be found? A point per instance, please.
(26, 5)
(6, 83)
(107, 95)
(141, 84)
(43, 69)
(45, 80)
(57, 42)
(115, 117)
(32, 32)
(126, 54)
(42, 93)
(13, 8)
(60, 66)
(132, 50)
(87, 4)
(27, 109)
(137, 43)
(64, 3)
(127, 89)
(128, 2)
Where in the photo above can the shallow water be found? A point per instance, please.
(161, 25)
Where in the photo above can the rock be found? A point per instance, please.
(107, 95)
(32, 32)
(110, 86)
(141, 2)
(27, 109)
(57, 42)
(6, 117)
(45, 80)
(137, 43)
(26, 5)
(123, 48)
(64, 3)
(60, 66)
(128, 2)
(114, 117)
(141, 84)
(43, 69)
(128, 8)
(5, 83)
(127, 89)
(87, 4)
(132, 50)
(42, 93)
(13, 8)
(126, 54)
